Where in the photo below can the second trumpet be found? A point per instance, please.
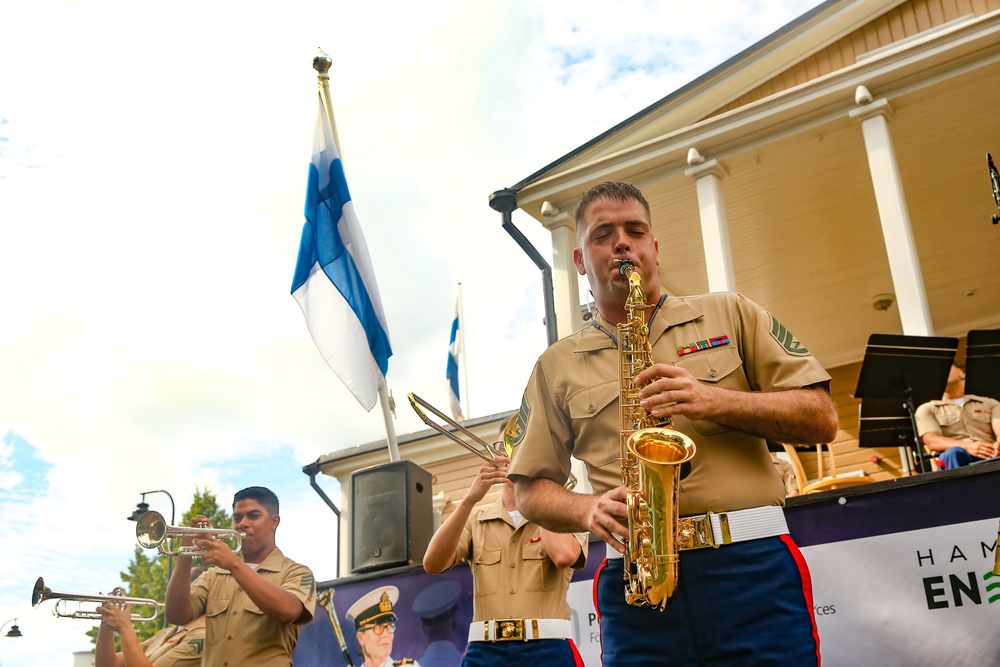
(152, 531)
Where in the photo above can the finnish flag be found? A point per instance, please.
(334, 280)
(454, 349)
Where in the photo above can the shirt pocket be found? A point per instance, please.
(215, 615)
(487, 570)
(721, 367)
(983, 416)
(256, 626)
(947, 415)
(534, 561)
(596, 435)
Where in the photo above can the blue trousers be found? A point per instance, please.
(541, 652)
(955, 457)
(744, 604)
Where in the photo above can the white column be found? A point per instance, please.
(904, 264)
(344, 539)
(714, 227)
(565, 278)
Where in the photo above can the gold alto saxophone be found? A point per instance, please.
(652, 453)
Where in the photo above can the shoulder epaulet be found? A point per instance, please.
(404, 661)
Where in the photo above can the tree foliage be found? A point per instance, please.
(147, 573)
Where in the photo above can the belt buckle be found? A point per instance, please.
(507, 630)
(696, 531)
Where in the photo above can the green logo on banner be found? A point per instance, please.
(992, 587)
(786, 339)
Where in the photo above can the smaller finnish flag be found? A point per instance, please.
(454, 349)
(334, 280)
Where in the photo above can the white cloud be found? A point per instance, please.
(152, 173)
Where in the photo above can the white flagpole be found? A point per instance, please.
(461, 349)
(321, 63)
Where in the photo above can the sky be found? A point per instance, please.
(153, 162)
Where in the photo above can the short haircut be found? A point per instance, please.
(261, 494)
(615, 190)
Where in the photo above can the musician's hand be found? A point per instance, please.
(199, 521)
(671, 390)
(217, 552)
(606, 516)
(116, 616)
(981, 450)
(487, 476)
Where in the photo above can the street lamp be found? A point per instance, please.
(14, 631)
(141, 508)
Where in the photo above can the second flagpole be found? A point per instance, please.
(461, 349)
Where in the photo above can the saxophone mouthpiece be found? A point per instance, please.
(624, 265)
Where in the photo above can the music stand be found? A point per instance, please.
(982, 363)
(908, 369)
(884, 422)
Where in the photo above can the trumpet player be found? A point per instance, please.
(174, 646)
(729, 375)
(254, 605)
(520, 613)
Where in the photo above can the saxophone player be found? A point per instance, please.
(729, 376)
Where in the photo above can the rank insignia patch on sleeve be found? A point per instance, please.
(522, 421)
(786, 339)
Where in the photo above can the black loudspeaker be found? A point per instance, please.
(392, 517)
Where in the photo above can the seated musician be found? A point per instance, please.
(960, 428)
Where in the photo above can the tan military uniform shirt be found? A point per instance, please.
(570, 405)
(512, 575)
(237, 632)
(177, 646)
(977, 419)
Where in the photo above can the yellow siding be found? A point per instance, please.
(905, 20)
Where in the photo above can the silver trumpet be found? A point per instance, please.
(151, 530)
(41, 593)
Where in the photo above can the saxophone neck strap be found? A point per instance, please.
(613, 338)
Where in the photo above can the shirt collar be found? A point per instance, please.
(498, 511)
(674, 311)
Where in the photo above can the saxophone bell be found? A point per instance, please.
(652, 514)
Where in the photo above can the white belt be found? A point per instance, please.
(715, 529)
(519, 629)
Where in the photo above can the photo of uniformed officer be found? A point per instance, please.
(375, 623)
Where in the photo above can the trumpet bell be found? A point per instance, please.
(150, 530)
(40, 593)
